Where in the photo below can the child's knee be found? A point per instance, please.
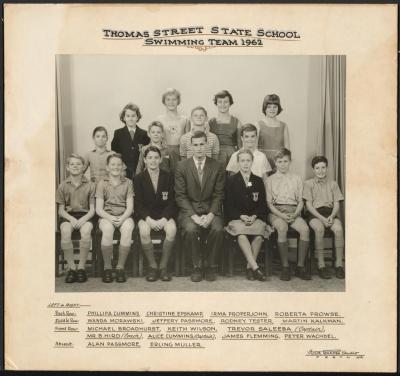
(281, 227)
(317, 227)
(170, 230)
(66, 231)
(86, 231)
(144, 230)
(337, 227)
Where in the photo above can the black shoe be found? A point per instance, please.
(120, 278)
(210, 274)
(196, 275)
(285, 274)
(339, 272)
(164, 275)
(249, 274)
(259, 275)
(107, 276)
(301, 273)
(81, 275)
(152, 275)
(71, 276)
(324, 273)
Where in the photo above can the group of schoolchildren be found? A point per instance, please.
(205, 177)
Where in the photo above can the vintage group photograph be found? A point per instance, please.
(200, 173)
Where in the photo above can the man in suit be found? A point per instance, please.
(128, 140)
(155, 209)
(199, 192)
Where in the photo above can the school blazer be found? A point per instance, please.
(242, 200)
(157, 204)
(193, 198)
(129, 148)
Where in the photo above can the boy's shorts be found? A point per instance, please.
(76, 215)
(283, 208)
(323, 210)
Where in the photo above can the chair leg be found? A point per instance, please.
(177, 257)
(99, 258)
(57, 255)
(268, 257)
(94, 255)
(231, 256)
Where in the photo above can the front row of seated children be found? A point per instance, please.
(247, 198)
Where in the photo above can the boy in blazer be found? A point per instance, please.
(199, 192)
(129, 140)
(155, 209)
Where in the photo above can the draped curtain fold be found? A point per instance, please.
(332, 140)
(60, 150)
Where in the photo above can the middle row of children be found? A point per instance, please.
(199, 199)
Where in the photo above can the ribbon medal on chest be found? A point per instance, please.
(164, 196)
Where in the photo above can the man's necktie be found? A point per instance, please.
(200, 172)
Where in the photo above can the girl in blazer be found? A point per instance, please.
(246, 212)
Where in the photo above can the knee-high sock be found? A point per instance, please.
(123, 252)
(284, 253)
(321, 260)
(148, 250)
(68, 250)
(339, 256)
(84, 247)
(107, 251)
(166, 253)
(303, 249)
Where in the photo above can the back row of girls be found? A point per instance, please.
(129, 140)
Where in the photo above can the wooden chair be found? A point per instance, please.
(157, 238)
(132, 261)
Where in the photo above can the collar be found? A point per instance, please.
(319, 180)
(246, 175)
(153, 173)
(104, 151)
(84, 179)
(122, 178)
(196, 162)
(278, 173)
(131, 128)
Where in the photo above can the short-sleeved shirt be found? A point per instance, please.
(212, 146)
(97, 162)
(114, 197)
(284, 189)
(322, 192)
(259, 167)
(76, 198)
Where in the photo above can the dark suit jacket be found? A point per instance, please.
(158, 204)
(129, 148)
(242, 200)
(193, 198)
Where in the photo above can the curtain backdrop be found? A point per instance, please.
(60, 151)
(332, 137)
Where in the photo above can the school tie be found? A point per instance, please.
(132, 133)
(200, 172)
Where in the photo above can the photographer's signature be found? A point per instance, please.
(335, 353)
